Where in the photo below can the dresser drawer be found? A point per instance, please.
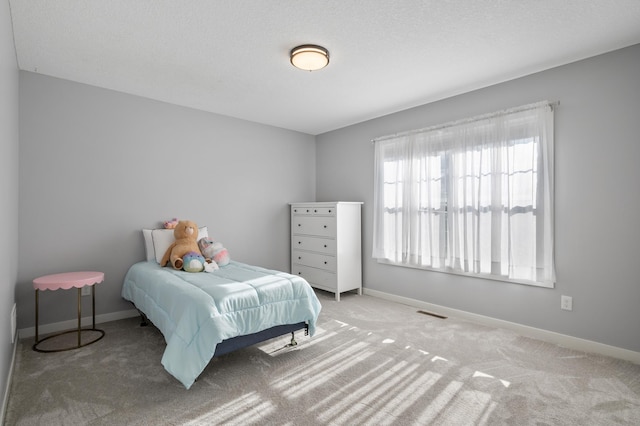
(322, 245)
(315, 260)
(316, 277)
(323, 211)
(313, 225)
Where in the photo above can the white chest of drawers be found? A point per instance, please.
(326, 245)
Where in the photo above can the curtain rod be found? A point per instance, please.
(470, 119)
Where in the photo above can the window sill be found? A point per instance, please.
(470, 275)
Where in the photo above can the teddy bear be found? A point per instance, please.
(186, 240)
(214, 251)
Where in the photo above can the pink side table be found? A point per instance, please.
(67, 281)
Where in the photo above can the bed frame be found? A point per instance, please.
(239, 342)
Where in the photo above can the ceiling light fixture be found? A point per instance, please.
(309, 57)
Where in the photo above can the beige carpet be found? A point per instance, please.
(371, 362)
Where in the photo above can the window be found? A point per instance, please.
(471, 197)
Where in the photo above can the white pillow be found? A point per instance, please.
(157, 241)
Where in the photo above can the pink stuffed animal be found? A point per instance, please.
(171, 224)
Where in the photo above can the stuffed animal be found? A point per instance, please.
(214, 251)
(193, 262)
(186, 237)
(171, 224)
(210, 266)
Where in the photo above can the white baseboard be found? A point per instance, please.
(71, 324)
(5, 399)
(537, 333)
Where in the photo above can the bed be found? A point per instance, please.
(202, 315)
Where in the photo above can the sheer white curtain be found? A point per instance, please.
(472, 197)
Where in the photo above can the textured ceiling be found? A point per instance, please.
(231, 57)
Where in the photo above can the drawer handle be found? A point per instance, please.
(325, 246)
(325, 262)
(299, 257)
(330, 211)
(307, 210)
(325, 226)
(299, 225)
(315, 211)
(295, 210)
(300, 242)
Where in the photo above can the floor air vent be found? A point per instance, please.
(432, 314)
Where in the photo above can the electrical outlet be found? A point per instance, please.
(566, 303)
(86, 290)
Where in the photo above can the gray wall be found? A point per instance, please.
(97, 166)
(597, 200)
(8, 186)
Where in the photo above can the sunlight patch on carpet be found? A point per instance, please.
(366, 397)
(242, 410)
(504, 383)
(309, 377)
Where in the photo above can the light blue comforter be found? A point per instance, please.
(196, 311)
